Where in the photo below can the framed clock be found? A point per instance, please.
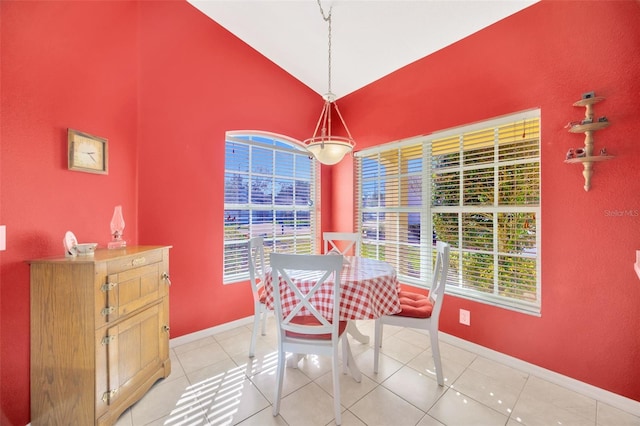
(87, 153)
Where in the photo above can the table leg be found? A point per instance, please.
(352, 366)
(294, 360)
(352, 329)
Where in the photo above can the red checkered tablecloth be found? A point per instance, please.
(369, 289)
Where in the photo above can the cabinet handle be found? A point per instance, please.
(107, 339)
(108, 395)
(166, 328)
(108, 286)
(165, 277)
(108, 310)
(138, 261)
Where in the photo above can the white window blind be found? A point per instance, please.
(476, 188)
(270, 191)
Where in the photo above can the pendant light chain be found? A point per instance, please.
(327, 18)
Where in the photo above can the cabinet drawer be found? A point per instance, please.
(134, 261)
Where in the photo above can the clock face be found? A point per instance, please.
(87, 153)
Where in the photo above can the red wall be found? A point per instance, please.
(544, 57)
(61, 68)
(163, 83)
(189, 98)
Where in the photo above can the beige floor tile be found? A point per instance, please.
(186, 347)
(294, 379)
(425, 364)
(490, 391)
(314, 366)
(235, 400)
(309, 406)
(417, 388)
(174, 399)
(381, 407)
(260, 362)
(214, 376)
(195, 418)
(350, 390)
(202, 356)
(399, 349)
(264, 418)
(454, 408)
(610, 416)
(427, 420)
(556, 400)
(176, 368)
(237, 342)
(416, 337)
(125, 419)
(227, 334)
(386, 366)
(535, 411)
(349, 419)
(458, 355)
(500, 373)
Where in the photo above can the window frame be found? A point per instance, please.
(455, 284)
(233, 255)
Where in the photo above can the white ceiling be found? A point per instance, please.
(370, 38)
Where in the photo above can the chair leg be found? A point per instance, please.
(279, 380)
(435, 350)
(345, 355)
(254, 333)
(264, 321)
(377, 344)
(337, 408)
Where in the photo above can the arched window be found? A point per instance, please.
(270, 187)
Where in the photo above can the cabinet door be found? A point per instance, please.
(131, 290)
(132, 353)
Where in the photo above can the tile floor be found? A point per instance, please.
(214, 382)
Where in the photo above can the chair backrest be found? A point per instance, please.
(309, 286)
(350, 241)
(255, 251)
(440, 272)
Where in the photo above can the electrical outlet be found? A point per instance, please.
(465, 317)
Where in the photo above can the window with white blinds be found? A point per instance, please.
(270, 191)
(476, 188)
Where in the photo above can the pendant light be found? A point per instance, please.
(326, 147)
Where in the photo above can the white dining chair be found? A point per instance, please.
(420, 311)
(302, 328)
(256, 264)
(345, 243)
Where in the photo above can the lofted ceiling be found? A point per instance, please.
(370, 38)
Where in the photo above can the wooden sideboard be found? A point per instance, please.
(99, 333)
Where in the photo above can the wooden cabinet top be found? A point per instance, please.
(101, 255)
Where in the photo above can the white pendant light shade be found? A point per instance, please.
(330, 151)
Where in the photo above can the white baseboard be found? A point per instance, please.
(197, 335)
(623, 403)
(626, 404)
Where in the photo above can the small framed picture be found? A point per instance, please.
(87, 153)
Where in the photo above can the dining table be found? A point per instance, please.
(368, 290)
